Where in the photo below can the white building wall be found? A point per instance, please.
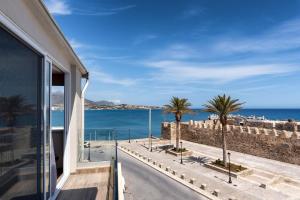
(75, 120)
(30, 16)
(32, 21)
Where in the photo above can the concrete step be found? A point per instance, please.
(264, 174)
(93, 167)
(257, 179)
(287, 189)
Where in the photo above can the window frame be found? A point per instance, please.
(26, 39)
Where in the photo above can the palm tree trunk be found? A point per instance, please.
(177, 135)
(224, 145)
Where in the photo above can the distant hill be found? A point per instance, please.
(58, 104)
(104, 103)
(58, 99)
(90, 103)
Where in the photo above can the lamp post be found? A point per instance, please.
(116, 166)
(229, 172)
(89, 156)
(181, 153)
(151, 143)
(150, 131)
(128, 135)
(116, 143)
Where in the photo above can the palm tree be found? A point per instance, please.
(178, 107)
(223, 106)
(11, 107)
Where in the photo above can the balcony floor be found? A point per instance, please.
(88, 184)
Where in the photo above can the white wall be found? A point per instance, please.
(30, 20)
(30, 16)
(75, 120)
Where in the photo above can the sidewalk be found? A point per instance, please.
(272, 166)
(242, 188)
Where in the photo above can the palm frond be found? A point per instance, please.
(222, 106)
(178, 107)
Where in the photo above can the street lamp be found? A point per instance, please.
(150, 131)
(116, 144)
(181, 153)
(151, 143)
(89, 156)
(128, 135)
(116, 165)
(229, 172)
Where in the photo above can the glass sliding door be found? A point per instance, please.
(21, 124)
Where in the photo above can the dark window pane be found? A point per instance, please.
(20, 132)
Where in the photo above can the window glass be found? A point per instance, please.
(20, 114)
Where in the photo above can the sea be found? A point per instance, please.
(134, 124)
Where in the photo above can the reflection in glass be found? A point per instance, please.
(20, 130)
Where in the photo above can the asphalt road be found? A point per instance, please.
(145, 183)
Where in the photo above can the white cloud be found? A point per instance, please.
(61, 7)
(178, 52)
(144, 38)
(58, 7)
(281, 38)
(192, 72)
(76, 45)
(112, 58)
(218, 61)
(102, 11)
(123, 8)
(192, 12)
(109, 79)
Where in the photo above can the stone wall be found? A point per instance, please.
(274, 144)
(269, 124)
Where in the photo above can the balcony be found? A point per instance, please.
(89, 183)
(97, 175)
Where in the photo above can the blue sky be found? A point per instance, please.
(145, 52)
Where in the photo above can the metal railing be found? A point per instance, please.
(98, 144)
(101, 145)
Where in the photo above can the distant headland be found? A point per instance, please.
(58, 104)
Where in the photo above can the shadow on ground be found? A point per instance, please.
(194, 159)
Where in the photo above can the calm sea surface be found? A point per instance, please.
(97, 121)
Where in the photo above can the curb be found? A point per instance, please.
(170, 175)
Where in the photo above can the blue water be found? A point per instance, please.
(137, 120)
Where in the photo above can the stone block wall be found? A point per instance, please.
(168, 130)
(279, 125)
(274, 144)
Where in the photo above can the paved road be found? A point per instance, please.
(145, 183)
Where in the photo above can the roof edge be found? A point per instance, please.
(63, 37)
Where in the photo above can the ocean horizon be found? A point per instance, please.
(99, 122)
